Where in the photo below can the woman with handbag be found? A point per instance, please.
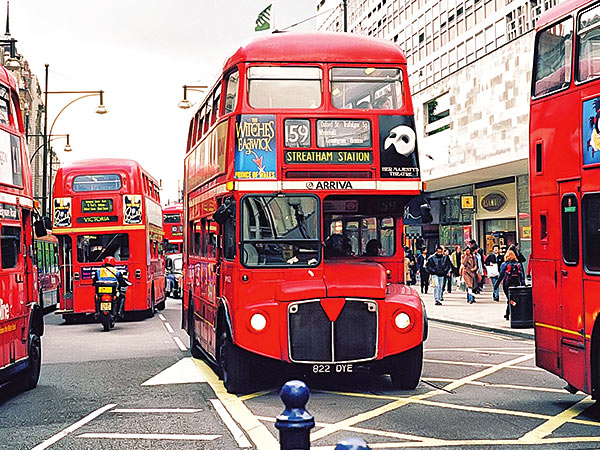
(468, 272)
(492, 264)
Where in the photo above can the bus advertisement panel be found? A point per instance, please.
(564, 188)
(173, 228)
(108, 207)
(21, 322)
(300, 164)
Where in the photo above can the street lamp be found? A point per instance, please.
(100, 109)
(51, 138)
(185, 103)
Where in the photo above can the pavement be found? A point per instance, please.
(484, 314)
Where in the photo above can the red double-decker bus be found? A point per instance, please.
(21, 322)
(300, 163)
(565, 193)
(108, 207)
(173, 228)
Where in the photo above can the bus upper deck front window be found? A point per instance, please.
(588, 46)
(101, 182)
(366, 88)
(552, 65)
(280, 231)
(284, 87)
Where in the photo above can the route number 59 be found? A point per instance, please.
(297, 133)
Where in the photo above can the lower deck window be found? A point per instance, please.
(96, 247)
(10, 245)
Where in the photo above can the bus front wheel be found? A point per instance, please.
(236, 367)
(406, 368)
(30, 377)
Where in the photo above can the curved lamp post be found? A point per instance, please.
(51, 138)
(100, 109)
(185, 103)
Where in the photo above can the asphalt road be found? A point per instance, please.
(136, 387)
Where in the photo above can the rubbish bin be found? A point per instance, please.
(521, 307)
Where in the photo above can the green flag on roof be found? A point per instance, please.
(263, 21)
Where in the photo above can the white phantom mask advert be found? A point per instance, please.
(403, 138)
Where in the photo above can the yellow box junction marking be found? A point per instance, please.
(259, 434)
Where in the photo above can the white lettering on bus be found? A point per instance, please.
(4, 310)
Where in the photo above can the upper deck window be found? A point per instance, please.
(552, 65)
(284, 87)
(588, 51)
(366, 88)
(4, 106)
(102, 182)
(231, 94)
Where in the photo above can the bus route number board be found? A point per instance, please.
(333, 368)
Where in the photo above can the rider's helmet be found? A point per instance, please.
(109, 261)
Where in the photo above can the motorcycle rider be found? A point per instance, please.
(110, 271)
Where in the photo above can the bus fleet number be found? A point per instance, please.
(332, 368)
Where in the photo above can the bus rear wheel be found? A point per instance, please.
(236, 367)
(405, 368)
(30, 377)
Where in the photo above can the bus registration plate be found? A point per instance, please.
(105, 306)
(105, 290)
(332, 368)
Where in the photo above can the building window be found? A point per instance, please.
(437, 113)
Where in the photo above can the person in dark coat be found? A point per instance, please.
(438, 265)
(511, 274)
(423, 272)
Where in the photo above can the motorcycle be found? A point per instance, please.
(108, 296)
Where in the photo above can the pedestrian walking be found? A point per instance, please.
(468, 272)
(412, 265)
(511, 274)
(438, 266)
(477, 253)
(455, 259)
(424, 274)
(492, 265)
(407, 271)
(448, 276)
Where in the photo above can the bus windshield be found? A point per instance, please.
(96, 247)
(280, 230)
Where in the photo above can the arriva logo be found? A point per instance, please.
(4, 310)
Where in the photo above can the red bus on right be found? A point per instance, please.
(565, 193)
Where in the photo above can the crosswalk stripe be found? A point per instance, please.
(152, 436)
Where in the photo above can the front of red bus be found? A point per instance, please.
(311, 270)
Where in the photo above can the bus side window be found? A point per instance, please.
(543, 226)
(232, 91)
(590, 221)
(570, 229)
(588, 35)
(10, 246)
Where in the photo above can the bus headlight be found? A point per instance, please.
(258, 322)
(402, 320)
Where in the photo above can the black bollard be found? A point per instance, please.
(352, 444)
(295, 422)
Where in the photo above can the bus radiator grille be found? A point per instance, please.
(314, 338)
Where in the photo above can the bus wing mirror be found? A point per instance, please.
(169, 264)
(224, 212)
(47, 222)
(426, 216)
(40, 228)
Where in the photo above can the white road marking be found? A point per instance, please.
(163, 318)
(183, 371)
(154, 437)
(57, 437)
(238, 434)
(156, 410)
(465, 363)
(169, 328)
(180, 344)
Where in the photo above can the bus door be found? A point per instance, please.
(570, 276)
(66, 264)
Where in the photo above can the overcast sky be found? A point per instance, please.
(140, 53)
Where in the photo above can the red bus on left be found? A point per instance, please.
(21, 323)
(108, 207)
